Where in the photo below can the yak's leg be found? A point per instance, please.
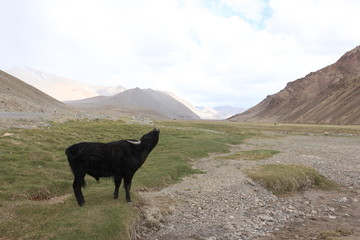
(78, 183)
(117, 180)
(127, 186)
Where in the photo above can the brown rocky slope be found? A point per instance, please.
(18, 96)
(328, 96)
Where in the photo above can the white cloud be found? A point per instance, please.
(254, 10)
(321, 26)
(209, 52)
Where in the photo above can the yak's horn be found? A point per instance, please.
(135, 142)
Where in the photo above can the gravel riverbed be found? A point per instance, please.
(224, 204)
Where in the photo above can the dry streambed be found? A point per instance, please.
(225, 204)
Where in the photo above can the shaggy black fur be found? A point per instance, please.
(120, 160)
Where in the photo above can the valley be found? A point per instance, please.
(200, 193)
(196, 184)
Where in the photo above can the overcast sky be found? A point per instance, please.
(209, 52)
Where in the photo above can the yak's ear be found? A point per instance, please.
(135, 142)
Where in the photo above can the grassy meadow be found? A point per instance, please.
(36, 197)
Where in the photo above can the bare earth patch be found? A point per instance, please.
(225, 204)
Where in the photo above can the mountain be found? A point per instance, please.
(18, 96)
(330, 95)
(227, 111)
(218, 112)
(147, 100)
(187, 104)
(61, 88)
(65, 89)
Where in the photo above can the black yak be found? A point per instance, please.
(119, 159)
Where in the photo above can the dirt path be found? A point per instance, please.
(224, 204)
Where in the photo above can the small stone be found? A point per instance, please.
(313, 212)
(331, 209)
(8, 134)
(266, 218)
(250, 182)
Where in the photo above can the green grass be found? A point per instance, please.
(282, 179)
(336, 234)
(252, 155)
(33, 166)
(301, 128)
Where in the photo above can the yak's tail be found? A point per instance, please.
(73, 152)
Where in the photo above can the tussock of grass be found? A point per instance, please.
(252, 155)
(283, 179)
(337, 234)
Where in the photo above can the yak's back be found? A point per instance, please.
(83, 149)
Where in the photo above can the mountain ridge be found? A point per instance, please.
(61, 88)
(16, 95)
(327, 96)
(156, 101)
(67, 90)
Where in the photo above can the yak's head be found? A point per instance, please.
(148, 141)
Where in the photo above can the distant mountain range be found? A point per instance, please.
(61, 88)
(18, 96)
(219, 112)
(330, 95)
(65, 89)
(157, 101)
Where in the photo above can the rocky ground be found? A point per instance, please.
(224, 204)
